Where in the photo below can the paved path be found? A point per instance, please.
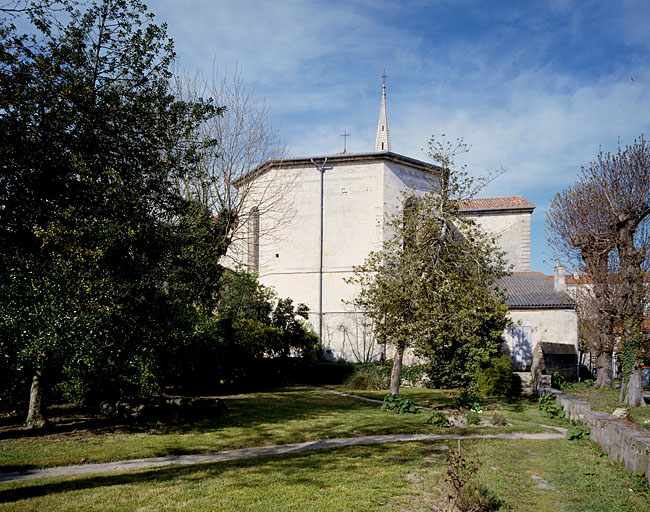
(247, 453)
(359, 397)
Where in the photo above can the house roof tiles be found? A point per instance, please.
(496, 203)
(532, 290)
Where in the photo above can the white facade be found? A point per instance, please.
(531, 327)
(508, 220)
(360, 192)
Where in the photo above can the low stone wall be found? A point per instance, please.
(624, 442)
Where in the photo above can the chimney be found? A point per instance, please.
(559, 282)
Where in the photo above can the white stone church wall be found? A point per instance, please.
(512, 233)
(358, 196)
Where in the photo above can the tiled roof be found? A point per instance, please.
(495, 203)
(532, 290)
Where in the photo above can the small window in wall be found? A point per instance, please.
(254, 239)
(382, 145)
(382, 127)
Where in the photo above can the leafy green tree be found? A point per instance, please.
(432, 286)
(97, 248)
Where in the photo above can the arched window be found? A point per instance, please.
(254, 239)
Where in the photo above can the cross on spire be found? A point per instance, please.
(382, 140)
(345, 136)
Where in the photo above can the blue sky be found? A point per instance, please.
(537, 88)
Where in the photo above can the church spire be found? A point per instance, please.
(382, 140)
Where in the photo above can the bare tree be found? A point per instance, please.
(228, 180)
(602, 222)
(360, 335)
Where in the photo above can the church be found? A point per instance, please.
(310, 220)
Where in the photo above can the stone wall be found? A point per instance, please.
(624, 442)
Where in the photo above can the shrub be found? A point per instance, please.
(438, 419)
(367, 377)
(399, 405)
(477, 498)
(558, 381)
(472, 417)
(414, 374)
(496, 379)
(578, 432)
(467, 399)
(548, 407)
(498, 421)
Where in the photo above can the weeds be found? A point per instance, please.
(438, 419)
(399, 405)
(548, 407)
(578, 432)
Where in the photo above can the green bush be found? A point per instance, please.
(438, 419)
(548, 407)
(578, 432)
(472, 417)
(496, 379)
(413, 374)
(399, 405)
(558, 381)
(367, 377)
(467, 399)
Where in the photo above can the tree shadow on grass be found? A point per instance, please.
(275, 406)
(289, 469)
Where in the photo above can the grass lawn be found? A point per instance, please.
(524, 475)
(606, 400)
(516, 410)
(287, 415)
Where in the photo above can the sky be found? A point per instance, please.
(536, 88)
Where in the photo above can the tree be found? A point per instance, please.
(608, 208)
(95, 239)
(579, 228)
(244, 138)
(432, 286)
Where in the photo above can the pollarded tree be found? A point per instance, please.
(432, 286)
(580, 231)
(609, 208)
(92, 231)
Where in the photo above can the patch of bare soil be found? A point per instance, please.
(65, 422)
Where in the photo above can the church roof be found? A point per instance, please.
(338, 158)
(496, 203)
(532, 290)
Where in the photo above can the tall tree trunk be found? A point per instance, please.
(634, 395)
(604, 376)
(36, 413)
(396, 374)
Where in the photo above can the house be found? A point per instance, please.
(544, 323)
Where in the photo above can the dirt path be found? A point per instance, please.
(247, 453)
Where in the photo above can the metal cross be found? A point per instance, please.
(384, 76)
(345, 136)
